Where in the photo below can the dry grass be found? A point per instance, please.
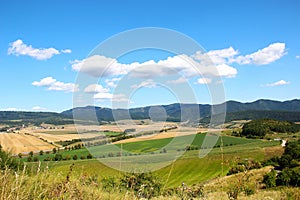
(273, 151)
(19, 143)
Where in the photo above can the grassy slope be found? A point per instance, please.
(189, 168)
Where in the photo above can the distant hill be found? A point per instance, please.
(287, 110)
(259, 114)
(21, 117)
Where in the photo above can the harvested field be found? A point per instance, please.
(21, 143)
(63, 137)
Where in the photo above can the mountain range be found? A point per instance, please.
(286, 110)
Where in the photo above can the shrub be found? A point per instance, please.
(7, 161)
(82, 157)
(29, 159)
(89, 156)
(75, 157)
(58, 157)
(289, 177)
(109, 184)
(144, 185)
(270, 179)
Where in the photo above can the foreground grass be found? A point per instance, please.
(45, 184)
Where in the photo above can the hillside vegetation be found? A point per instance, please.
(261, 127)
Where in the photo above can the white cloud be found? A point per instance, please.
(278, 83)
(147, 84)
(263, 56)
(66, 51)
(112, 82)
(19, 48)
(215, 63)
(108, 67)
(44, 82)
(99, 66)
(204, 81)
(38, 108)
(95, 88)
(222, 56)
(298, 56)
(53, 84)
(226, 71)
(103, 95)
(178, 81)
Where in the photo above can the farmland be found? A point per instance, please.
(22, 143)
(183, 169)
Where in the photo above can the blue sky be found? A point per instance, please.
(42, 41)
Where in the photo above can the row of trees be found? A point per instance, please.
(60, 157)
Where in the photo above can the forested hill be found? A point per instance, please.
(287, 110)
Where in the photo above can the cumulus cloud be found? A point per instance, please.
(98, 65)
(298, 56)
(53, 84)
(18, 47)
(108, 67)
(103, 95)
(222, 56)
(95, 88)
(112, 83)
(214, 63)
(204, 81)
(147, 84)
(278, 83)
(263, 56)
(44, 82)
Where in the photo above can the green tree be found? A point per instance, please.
(75, 157)
(58, 157)
(89, 156)
(41, 152)
(270, 179)
(293, 149)
(54, 150)
(31, 153)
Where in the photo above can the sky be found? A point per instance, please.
(46, 47)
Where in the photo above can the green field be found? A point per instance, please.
(189, 168)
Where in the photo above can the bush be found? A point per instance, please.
(82, 157)
(270, 179)
(7, 161)
(29, 159)
(58, 157)
(89, 156)
(144, 185)
(289, 177)
(109, 184)
(75, 157)
(35, 159)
